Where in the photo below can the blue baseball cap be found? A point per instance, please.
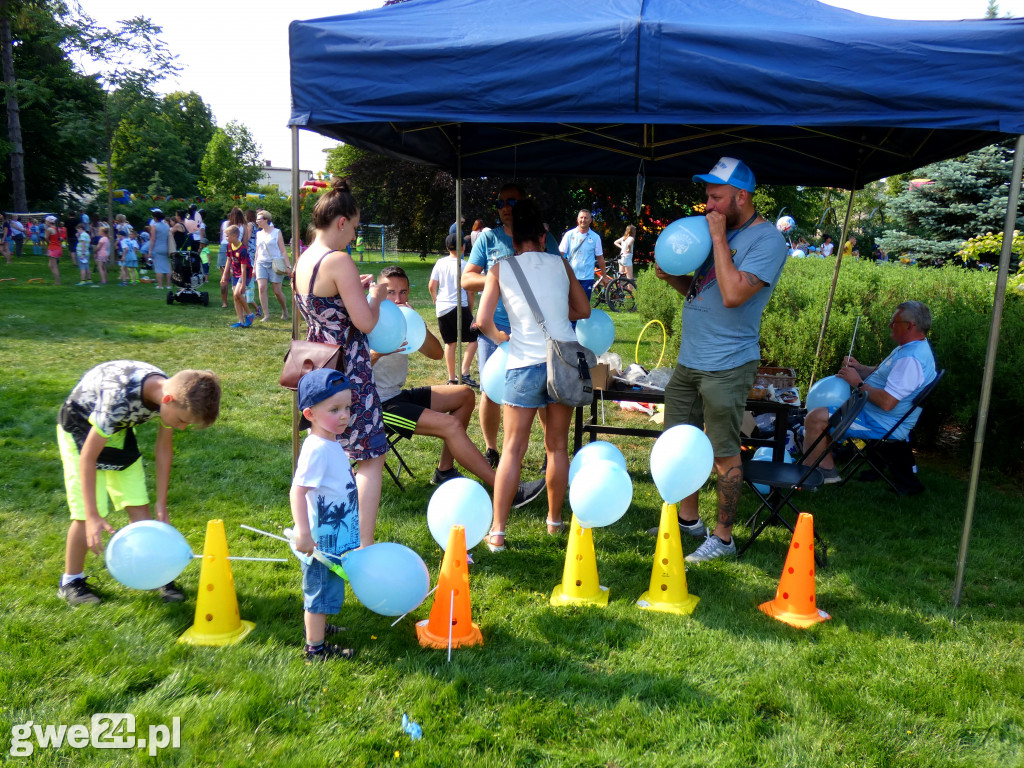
(729, 171)
(316, 386)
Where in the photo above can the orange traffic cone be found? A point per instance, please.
(668, 591)
(217, 621)
(580, 585)
(451, 618)
(794, 601)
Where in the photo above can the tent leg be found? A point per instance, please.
(832, 289)
(296, 236)
(458, 261)
(990, 365)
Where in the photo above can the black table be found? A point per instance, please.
(591, 426)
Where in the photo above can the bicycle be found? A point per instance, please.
(619, 293)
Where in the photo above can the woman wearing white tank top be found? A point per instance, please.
(562, 300)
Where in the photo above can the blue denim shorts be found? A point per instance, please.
(527, 387)
(323, 591)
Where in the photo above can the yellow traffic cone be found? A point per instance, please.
(451, 617)
(795, 602)
(580, 585)
(217, 621)
(668, 591)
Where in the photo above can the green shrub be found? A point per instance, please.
(657, 300)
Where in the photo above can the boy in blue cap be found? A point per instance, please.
(325, 505)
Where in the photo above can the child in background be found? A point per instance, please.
(130, 247)
(103, 252)
(97, 443)
(82, 246)
(35, 232)
(325, 505)
(241, 275)
(449, 300)
(54, 249)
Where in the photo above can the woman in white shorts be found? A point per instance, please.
(270, 246)
(625, 244)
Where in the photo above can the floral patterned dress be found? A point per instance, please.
(329, 323)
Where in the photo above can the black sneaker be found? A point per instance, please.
(171, 594)
(493, 457)
(469, 381)
(77, 592)
(528, 492)
(325, 652)
(442, 476)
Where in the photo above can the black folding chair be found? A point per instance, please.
(784, 480)
(875, 450)
(393, 438)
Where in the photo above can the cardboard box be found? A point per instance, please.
(600, 375)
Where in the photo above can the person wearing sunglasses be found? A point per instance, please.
(891, 385)
(492, 246)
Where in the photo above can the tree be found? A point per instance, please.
(962, 198)
(191, 120)
(232, 161)
(145, 143)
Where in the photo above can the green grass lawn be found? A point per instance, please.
(897, 678)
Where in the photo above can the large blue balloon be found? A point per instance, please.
(387, 578)
(681, 461)
(830, 391)
(147, 554)
(460, 501)
(601, 494)
(599, 450)
(389, 332)
(683, 245)
(596, 332)
(415, 330)
(492, 378)
(765, 454)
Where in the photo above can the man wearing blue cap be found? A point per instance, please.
(720, 351)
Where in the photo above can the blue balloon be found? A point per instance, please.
(389, 332)
(683, 245)
(830, 391)
(147, 554)
(765, 454)
(596, 332)
(459, 501)
(601, 494)
(681, 462)
(387, 578)
(492, 378)
(415, 330)
(599, 450)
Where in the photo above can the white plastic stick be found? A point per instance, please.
(854, 339)
(257, 530)
(261, 559)
(451, 619)
(408, 612)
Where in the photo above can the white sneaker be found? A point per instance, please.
(711, 548)
(697, 529)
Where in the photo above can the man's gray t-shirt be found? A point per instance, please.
(715, 338)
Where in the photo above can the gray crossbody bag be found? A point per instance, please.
(568, 362)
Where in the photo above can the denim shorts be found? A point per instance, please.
(323, 591)
(527, 387)
(487, 347)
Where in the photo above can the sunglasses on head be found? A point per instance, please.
(510, 202)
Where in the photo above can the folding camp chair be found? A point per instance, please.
(393, 438)
(874, 451)
(784, 480)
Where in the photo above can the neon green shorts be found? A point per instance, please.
(126, 488)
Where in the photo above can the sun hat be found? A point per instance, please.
(731, 171)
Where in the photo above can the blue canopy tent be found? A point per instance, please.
(804, 92)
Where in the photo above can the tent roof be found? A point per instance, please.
(804, 92)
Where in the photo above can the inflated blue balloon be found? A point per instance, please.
(492, 378)
(601, 494)
(596, 332)
(459, 501)
(415, 330)
(389, 579)
(830, 391)
(681, 461)
(389, 332)
(599, 450)
(683, 245)
(765, 454)
(147, 554)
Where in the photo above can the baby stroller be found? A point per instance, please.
(187, 274)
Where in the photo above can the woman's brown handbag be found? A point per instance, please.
(306, 356)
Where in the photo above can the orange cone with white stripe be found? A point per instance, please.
(795, 602)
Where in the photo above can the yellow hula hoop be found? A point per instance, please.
(664, 342)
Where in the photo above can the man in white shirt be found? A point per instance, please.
(582, 247)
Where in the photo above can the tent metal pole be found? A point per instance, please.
(296, 236)
(832, 288)
(458, 260)
(990, 365)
